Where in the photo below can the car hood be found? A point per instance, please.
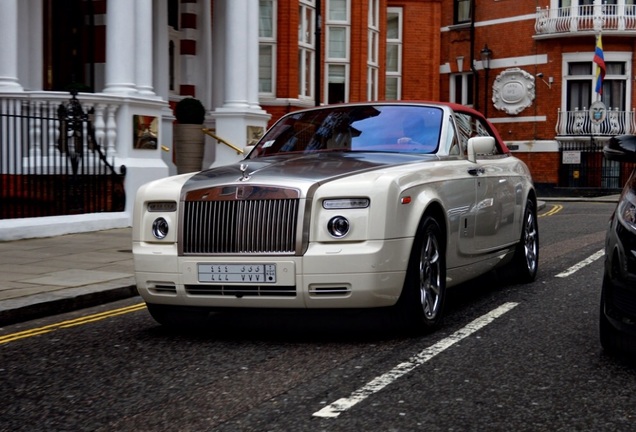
(295, 170)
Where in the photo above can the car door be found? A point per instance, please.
(495, 210)
(496, 207)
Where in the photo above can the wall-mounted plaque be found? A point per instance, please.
(513, 91)
(145, 132)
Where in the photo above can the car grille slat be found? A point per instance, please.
(241, 290)
(242, 226)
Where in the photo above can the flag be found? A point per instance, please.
(600, 65)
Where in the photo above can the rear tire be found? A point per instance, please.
(421, 304)
(612, 340)
(178, 317)
(525, 262)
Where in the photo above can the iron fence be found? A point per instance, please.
(51, 163)
(583, 166)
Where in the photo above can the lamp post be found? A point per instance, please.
(486, 53)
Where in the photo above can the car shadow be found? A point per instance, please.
(333, 325)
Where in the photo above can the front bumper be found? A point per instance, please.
(347, 275)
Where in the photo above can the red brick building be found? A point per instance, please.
(251, 61)
(538, 85)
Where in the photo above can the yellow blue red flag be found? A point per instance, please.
(599, 59)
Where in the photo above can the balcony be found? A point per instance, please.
(577, 124)
(618, 20)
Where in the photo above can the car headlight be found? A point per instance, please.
(626, 211)
(160, 228)
(345, 203)
(338, 226)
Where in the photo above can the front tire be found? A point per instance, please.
(423, 296)
(178, 317)
(525, 262)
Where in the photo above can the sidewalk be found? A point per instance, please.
(48, 276)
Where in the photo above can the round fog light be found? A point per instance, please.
(338, 226)
(160, 228)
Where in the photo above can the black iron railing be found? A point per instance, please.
(51, 163)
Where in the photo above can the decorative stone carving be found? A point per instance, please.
(598, 112)
(513, 91)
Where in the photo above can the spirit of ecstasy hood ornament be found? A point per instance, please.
(244, 175)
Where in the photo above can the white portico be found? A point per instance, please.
(146, 65)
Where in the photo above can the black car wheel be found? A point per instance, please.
(424, 293)
(525, 262)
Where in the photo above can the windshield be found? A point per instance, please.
(381, 128)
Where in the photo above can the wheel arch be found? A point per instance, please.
(436, 211)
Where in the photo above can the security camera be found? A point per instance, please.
(540, 75)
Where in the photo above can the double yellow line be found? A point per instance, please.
(554, 210)
(70, 323)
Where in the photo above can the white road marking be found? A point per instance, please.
(580, 265)
(378, 383)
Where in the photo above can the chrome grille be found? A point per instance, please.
(240, 226)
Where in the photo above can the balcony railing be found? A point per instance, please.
(579, 123)
(587, 19)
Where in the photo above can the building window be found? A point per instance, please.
(393, 90)
(462, 11)
(306, 49)
(373, 66)
(461, 88)
(580, 85)
(338, 27)
(267, 47)
(615, 86)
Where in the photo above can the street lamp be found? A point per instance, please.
(486, 53)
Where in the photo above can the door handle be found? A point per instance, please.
(476, 171)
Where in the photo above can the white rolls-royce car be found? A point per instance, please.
(362, 205)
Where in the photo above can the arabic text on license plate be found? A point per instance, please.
(237, 273)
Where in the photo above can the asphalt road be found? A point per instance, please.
(509, 357)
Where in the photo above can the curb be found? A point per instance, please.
(23, 309)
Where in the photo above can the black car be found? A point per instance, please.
(617, 323)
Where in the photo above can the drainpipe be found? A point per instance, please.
(472, 57)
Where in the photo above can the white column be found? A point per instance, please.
(252, 54)
(120, 47)
(239, 110)
(236, 55)
(9, 46)
(160, 51)
(144, 44)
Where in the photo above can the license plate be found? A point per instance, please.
(237, 273)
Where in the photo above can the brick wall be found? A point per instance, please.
(544, 166)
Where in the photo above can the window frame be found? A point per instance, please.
(457, 11)
(394, 75)
(373, 50)
(467, 88)
(270, 42)
(345, 61)
(610, 57)
(306, 49)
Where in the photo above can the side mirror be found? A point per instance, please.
(621, 148)
(480, 145)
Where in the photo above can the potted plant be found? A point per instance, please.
(189, 139)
